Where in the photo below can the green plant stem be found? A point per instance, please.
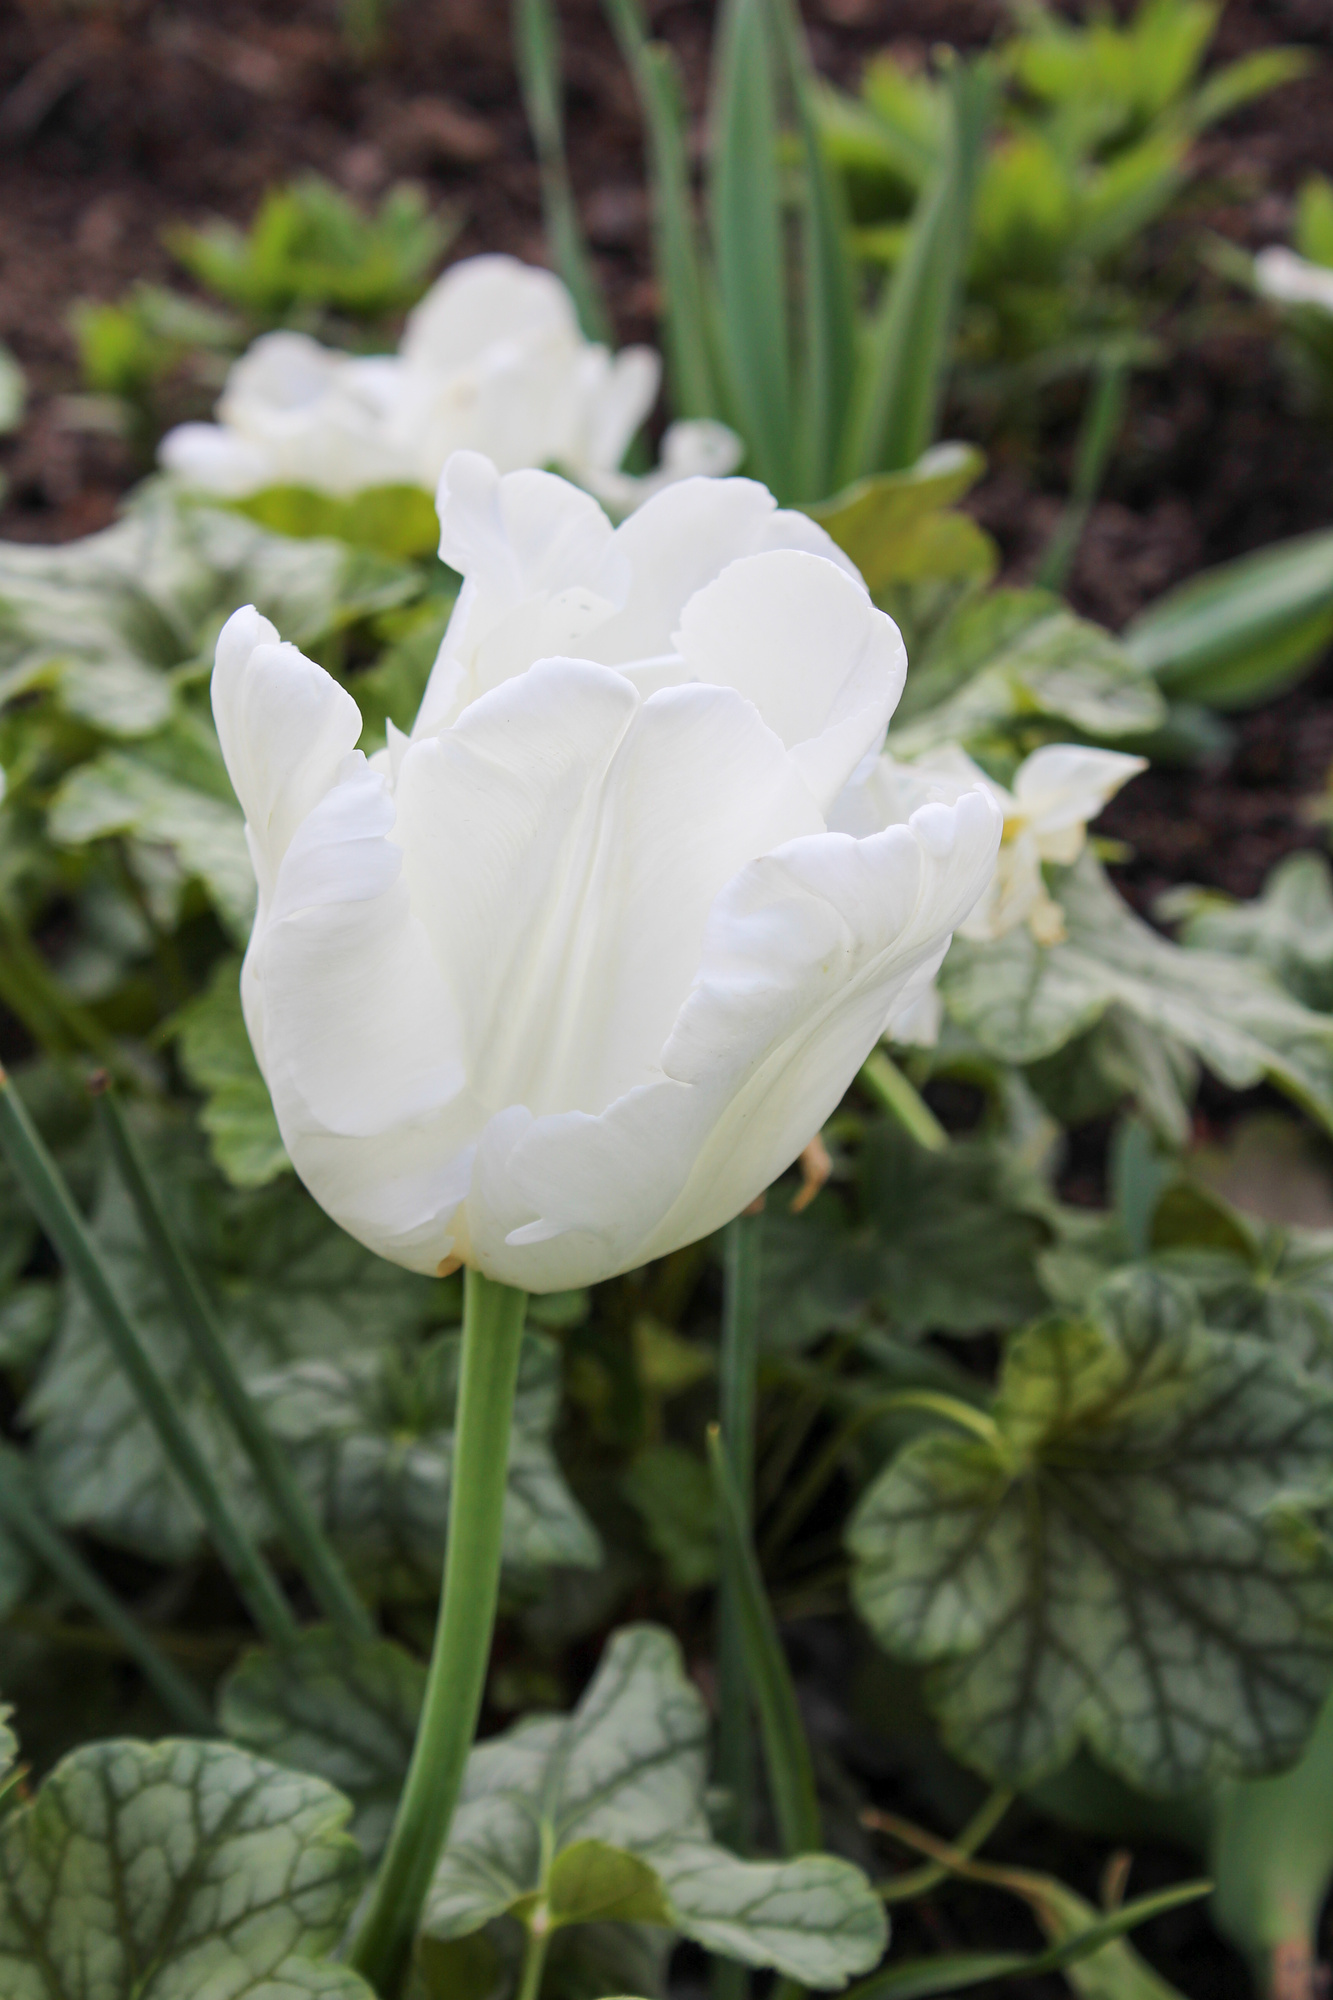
(737, 1399)
(59, 1216)
(534, 1961)
(798, 1503)
(492, 1335)
(883, 1081)
(1098, 432)
(791, 1778)
(306, 1541)
(915, 1882)
(22, 1515)
(737, 1380)
(35, 996)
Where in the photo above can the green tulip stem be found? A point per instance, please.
(883, 1081)
(25, 1520)
(738, 1369)
(306, 1541)
(492, 1336)
(56, 1210)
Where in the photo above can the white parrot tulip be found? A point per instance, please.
(491, 360)
(564, 979)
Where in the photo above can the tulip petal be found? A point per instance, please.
(804, 643)
(563, 844)
(536, 555)
(807, 952)
(285, 727)
(361, 1050)
(679, 541)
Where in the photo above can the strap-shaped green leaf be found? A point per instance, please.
(1123, 1564)
(746, 211)
(165, 1871)
(896, 407)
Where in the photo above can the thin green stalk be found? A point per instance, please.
(916, 1882)
(1098, 432)
(738, 1371)
(31, 990)
(306, 1541)
(492, 1336)
(791, 1778)
(882, 1080)
(25, 1519)
(737, 1379)
(687, 311)
(799, 1503)
(59, 1216)
(537, 54)
(534, 1961)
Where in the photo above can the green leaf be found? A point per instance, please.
(114, 1880)
(670, 1490)
(1237, 83)
(1123, 1564)
(1288, 927)
(956, 1249)
(1052, 669)
(1087, 1944)
(310, 245)
(120, 793)
(372, 1436)
(627, 1770)
(346, 1712)
(537, 56)
(218, 1060)
(901, 381)
(395, 521)
(1272, 1853)
(895, 529)
(1024, 1001)
(746, 210)
(287, 1285)
(828, 277)
(590, 1882)
(1239, 633)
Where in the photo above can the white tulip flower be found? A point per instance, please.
(1290, 280)
(491, 360)
(564, 979)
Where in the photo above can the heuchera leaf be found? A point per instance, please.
(1024, 1001)
(342, 1710)
(173, 1870)
(217, 1058)
(1123, 1563)
(372, 1437)
(1288, 928)
(547, 1807)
